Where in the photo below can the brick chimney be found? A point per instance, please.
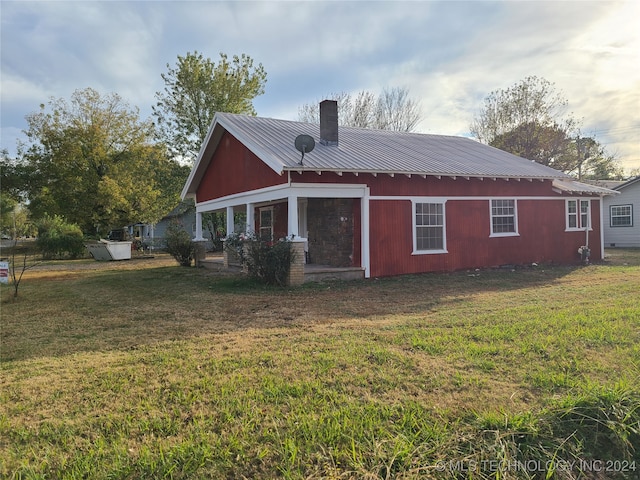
(329, 122)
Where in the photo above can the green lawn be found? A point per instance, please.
(145, 369)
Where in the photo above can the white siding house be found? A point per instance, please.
(622, 216)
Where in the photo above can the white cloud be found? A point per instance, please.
(449, 54)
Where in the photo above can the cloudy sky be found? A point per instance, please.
(449, 54)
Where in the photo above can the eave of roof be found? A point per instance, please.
(575, 187)
(628, 183)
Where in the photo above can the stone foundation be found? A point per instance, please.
(200, 251)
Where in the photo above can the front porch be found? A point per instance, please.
(312, 272)
(327, 223)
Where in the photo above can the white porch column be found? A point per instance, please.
(251, 218)
(292, 208)
(230, 224)
(198, 237)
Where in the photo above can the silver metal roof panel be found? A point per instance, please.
(362, 150)
(365, 150)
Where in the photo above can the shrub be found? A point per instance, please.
(266, 261)
(59, 239)
(179, 245)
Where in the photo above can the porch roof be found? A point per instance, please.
(575, 187)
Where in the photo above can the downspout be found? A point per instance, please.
(584, 250)
(588, 225)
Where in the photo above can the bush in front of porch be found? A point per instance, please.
(265, 260)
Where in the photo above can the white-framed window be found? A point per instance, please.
(621, 215)
(429, 228)
(578, 213)
(266, 223)
(504, 218)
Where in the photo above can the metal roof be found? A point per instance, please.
(365, 151)
(572, 186)
(382, 151)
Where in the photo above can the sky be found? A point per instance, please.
(449, 55)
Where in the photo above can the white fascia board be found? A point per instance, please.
(184, 194)
(329, 190)
(254, 196)
(283, 191)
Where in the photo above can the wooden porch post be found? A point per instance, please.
(198, 237)
(230, 224)
(296, 274)
(251, 218)
(292, 208)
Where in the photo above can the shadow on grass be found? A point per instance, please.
(125, 309)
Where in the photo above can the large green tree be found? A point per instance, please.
(195, 89)
(529, 119)
(393, 109)
(93, 161)
(14, 216)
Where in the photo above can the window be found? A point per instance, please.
(429, 228)
(266, 223)
(504, 220)
(578, 220)
(621, 215)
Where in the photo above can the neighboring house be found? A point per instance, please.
(153, 236)
(622, 215)
(184, 214)
(392, 203)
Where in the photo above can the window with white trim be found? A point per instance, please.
(578, 212)
(266, 223)
(429, 228)
(621, 215)
(504, 218)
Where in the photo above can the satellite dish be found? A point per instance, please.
(304, 144)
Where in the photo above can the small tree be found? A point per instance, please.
(17, 271)
(179, 244)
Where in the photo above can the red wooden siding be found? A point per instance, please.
(542, 239)
(384, 184)
(280, 220)
(235, 169)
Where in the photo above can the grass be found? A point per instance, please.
(144, 369)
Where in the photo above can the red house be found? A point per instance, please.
(389, 203)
